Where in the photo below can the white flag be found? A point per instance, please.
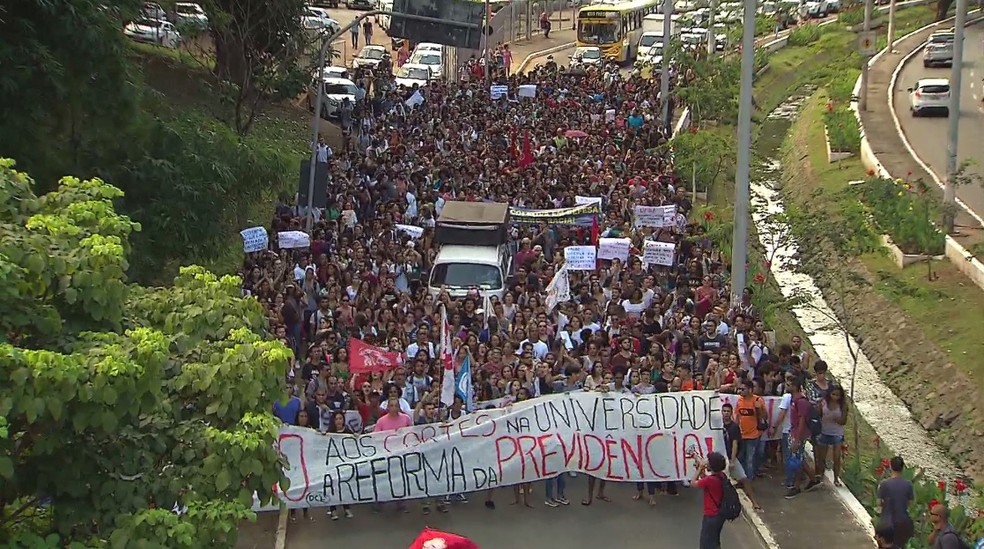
(559, 289)
(447, 362)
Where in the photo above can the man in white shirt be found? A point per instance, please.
(301, 267)
(784, 405)
(422, 344)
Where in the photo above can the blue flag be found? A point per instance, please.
(463, 384)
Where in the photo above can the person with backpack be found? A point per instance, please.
(732, 445)
(799, 433)
(943, 535)
(721, 503)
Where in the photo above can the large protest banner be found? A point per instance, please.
(613, 437)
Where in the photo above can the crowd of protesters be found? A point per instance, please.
(629, 327)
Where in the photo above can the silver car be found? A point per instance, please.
(938, 54)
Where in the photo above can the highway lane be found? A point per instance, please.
(928, 136)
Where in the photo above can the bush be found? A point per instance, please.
(805, 35)
(852, 16)
(903, 212)
(841, 87)
(842, 130)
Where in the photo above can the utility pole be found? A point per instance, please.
(956, 83)
(891, 26)
(739, 246)
(487, 33)
(320, 96)
(863, 97)
(664, 79)
(711, 45)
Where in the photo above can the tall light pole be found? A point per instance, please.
(711, 45)
(739, 246)
(320, 96)
(487, 33)
(956, 83)
(891, 26)
(863, 97)
(664, 79)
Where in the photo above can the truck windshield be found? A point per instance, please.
(466, 275)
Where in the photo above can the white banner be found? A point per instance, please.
(527, 90)
(580, 258)
(293, 239)
(412, 231)
(619, 438)
(654, 216)
(559, 289)
(579, 200)
(658, 253)
(254, 239)
(614, 248)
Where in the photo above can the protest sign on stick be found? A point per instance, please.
(580, 258)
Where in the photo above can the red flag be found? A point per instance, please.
(365, 358)
(527, 158)
(435, 539)
(595, 231)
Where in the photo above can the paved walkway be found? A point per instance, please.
(622, 523)
(879, 127)
(523, 48)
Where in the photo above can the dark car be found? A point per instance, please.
(325, 3)
(358, 4)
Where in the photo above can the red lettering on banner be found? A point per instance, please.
(633, 456)
(586, 454)
(545, 454)
(575, 444)
(500, 458)
(709, 441)
(307, 483)
(527, 446)
(649, 454)
(611, 445)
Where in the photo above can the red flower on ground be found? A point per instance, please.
(960, 486)
(885, 463)
(708, 215)
(759, 279)
(871, 172)
(879, 471)
(941, 485)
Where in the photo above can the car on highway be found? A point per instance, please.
(815, 9)
(937, 54)
(587, 57)
(370, 57)
(318, 20)
(358, 4)
(433, 59)
(410, 75)
(336, 91)
(153, 31)
(190, 15)
(930, 96)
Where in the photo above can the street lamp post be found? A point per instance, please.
(664, 79)
(743, 168)
(956, 84)
(319, 97)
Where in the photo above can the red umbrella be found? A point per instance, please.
(435, 539)
(575, 134)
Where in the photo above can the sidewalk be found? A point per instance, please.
(879, 127)
(559, 39)
(812, 520)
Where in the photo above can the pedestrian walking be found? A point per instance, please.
(354, 33)
(367, 30)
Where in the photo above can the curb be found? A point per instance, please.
(529, 58)
(281, 542)
(755, 521)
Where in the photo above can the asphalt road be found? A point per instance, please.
(928, 136)
(622, 523)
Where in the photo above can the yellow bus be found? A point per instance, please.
(615, 28)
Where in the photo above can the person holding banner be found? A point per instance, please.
(339, 426)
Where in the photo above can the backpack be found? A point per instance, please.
(962, 544)
(730, 506)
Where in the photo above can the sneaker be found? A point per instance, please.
(562, 500)
(348, 514)
(813, 484)
(427, 510)
(490, 505)
(792, 492)
(447, 500)
(441, 508)
(461, 498)
(551, 503)
(333, 515)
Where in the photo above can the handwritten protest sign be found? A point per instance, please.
(654, 216)
(527, 90)
(293, 239)
(255, 239)
(620, 438)
(412, 231)
(587, 200)
(580, 258)
(658, 253)
(498, 91)
(614, 248)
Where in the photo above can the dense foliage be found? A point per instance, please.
(120, 402)
(843, 130)
(74, 101)
(904, 212)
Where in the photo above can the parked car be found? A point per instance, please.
(929, 96)
(336, 91)
(358, 4)
(587, 57)
(433, 59)
(332, 71)
(190, 15)
(815, 9)
(410, 75)
(153, 11)
(153, 31)
(317, 19)
(325, 3)
(937, 54)
(370, 57)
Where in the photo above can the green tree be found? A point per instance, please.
(710, 86)
(707, 155)
(120, 402)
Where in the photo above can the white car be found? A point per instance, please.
(336, 91)
(816, 9)
(332, 72)
(189, 14)
(410, 75)
(162, 33)
(317, 20)
(587, 57)
(433, 59)
(428, 46)
(930, 95)
(370, 56)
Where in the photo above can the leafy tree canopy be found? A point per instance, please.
(120, 402)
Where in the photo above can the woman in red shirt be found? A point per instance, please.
(710, 478)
